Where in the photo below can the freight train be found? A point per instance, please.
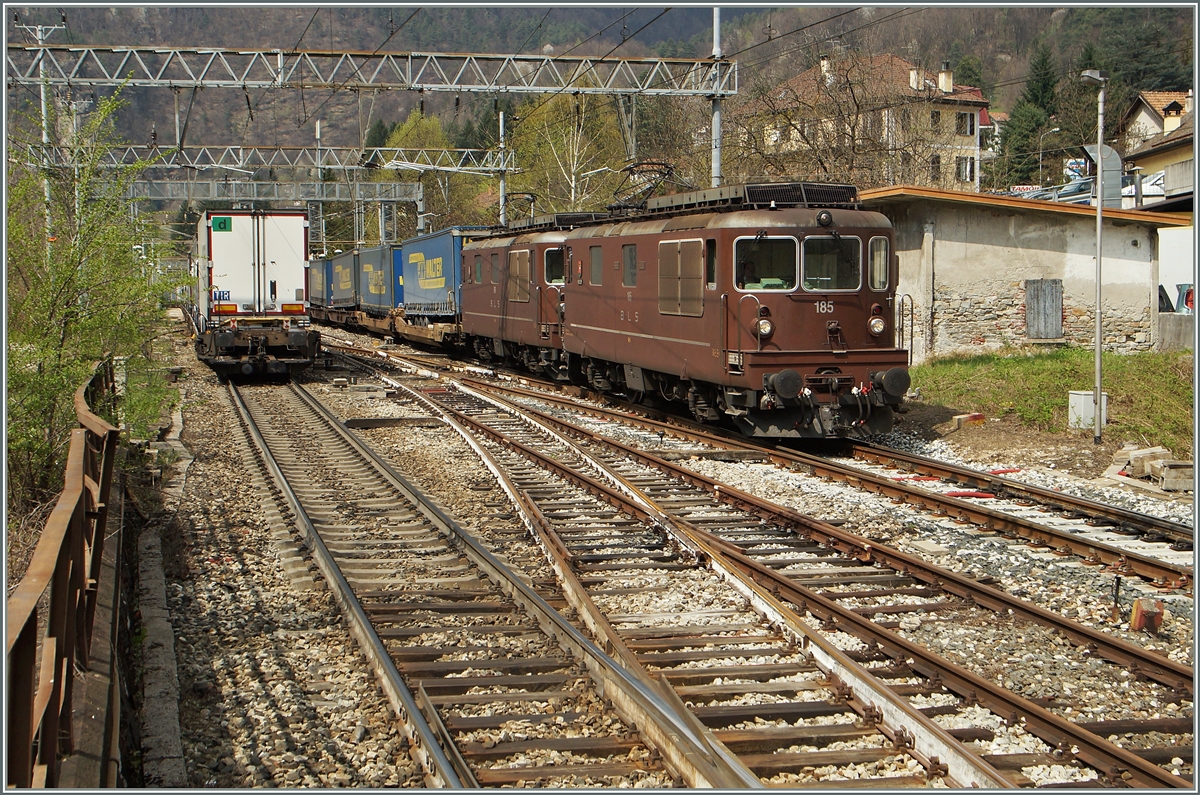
(250, 312)
(767, 307)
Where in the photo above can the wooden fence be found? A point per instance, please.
(52, 613)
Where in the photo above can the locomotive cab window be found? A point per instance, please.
(877, 257)
(495, 269)
(478, 269)
(765, 263)
(555, 271)
(832, 263)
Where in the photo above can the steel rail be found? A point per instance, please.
(1002, 486)
(1162, 573)
(423, 739)
(896, 715)
(1094, 750)
(1160, 668)
(642, 702)
(939, 747)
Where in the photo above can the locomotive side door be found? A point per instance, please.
(552, 282)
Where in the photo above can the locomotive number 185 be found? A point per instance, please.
(824, 307)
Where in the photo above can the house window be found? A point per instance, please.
(935, 120)
(964, 124)
(964, 168)
(935, 168)
(906, 119)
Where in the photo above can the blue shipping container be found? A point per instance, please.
(320, 280)
(397, 272)
(375, 280)
(344, 281)
(433, 274)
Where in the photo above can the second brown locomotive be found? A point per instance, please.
(770, 305)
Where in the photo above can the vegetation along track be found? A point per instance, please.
(494, 686)
(867, 589)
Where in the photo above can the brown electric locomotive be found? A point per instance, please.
(770, 305)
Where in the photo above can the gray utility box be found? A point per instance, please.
(1081, 409)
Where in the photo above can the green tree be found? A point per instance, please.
(969, 72)
(377, 135)
(83, 288)
(1043, 78)
(451, 199)
(570, 151)
(1019, 142)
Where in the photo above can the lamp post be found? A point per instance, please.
(1041, 138)
(1095, 77)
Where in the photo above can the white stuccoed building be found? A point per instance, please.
(979, 272)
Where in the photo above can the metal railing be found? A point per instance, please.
(52, 610)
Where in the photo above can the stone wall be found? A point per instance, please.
(994, 317)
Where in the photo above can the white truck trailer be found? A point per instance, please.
(251, 314)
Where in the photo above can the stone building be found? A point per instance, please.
(979, 272)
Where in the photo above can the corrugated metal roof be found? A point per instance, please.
(874, 197)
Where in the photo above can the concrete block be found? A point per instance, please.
(1176, 476)
(968, 419)
(1139, 460)
(929, 548)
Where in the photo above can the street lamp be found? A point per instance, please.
(1095, 77)
(1040, 139)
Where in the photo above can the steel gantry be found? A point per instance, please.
(245, 158)
(215, 67)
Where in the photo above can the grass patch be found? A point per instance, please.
(1149, 394)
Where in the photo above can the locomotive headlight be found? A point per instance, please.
(876, 325)
(763, 327)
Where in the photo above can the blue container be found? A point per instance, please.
(344, 281)
(375, 281)
(397, 276)
(433, 274)
(320, 280)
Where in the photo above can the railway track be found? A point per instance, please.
(929, 595)
(493, 686)
(1126, 542)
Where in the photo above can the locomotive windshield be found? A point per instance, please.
(765, 263)
(832, 263)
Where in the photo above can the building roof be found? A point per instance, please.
(1180, 136)
(1158, 101)
(874, 197)
(888, 75)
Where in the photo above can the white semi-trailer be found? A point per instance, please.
(251, 312)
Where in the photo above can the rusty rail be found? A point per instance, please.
(59, 595)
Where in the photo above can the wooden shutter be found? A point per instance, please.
(1043, 309)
